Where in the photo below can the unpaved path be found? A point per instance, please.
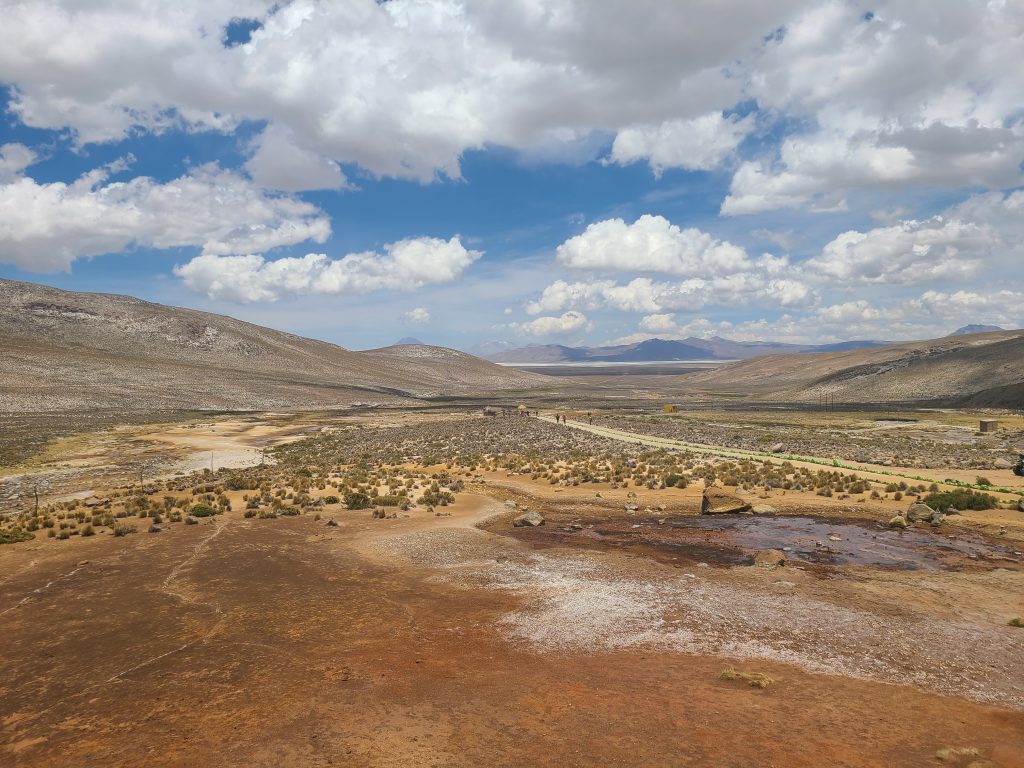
(868, 471)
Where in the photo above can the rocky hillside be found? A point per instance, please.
(978, 369)
(61, 350)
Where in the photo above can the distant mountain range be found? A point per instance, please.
(662, 350)
(407, 340)
(969, 329)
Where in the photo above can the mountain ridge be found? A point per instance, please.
(62, 350)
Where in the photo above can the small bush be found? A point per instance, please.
(123, 530)
(15, 535)
(980, 480)
(961, 498)
(203, 510)
(331, 500)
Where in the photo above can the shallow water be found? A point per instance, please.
(734, 539)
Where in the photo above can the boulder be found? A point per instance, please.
(919, 512)
(937, 518)
(718, 502)
(899, 521)
(529, 520)
(769, 558)
(1002, 464)
(510, 504)
(778, 448)
(763, 509)
(1020, 505)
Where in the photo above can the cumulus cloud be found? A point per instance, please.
(14, 158)
(279, 163)
(700, 144)
(650, 244)
(405, 265)
(402, 88)
(955, 122)
(46, 227)
(985, 231)
(567, 322)
(912, 252)
(417, 315)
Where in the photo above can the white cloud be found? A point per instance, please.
(417, 315)
(566, 323)
(912, 252)
(983, 233)
(405, 265)
(650, 244)
(402, 88)
(46, 227)
(700, 144)
(277, 162)
(952, 116)
(14, 158)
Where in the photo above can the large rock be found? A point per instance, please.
(778, 448)
(919, 512)
(717, 502)
(763, 509)
(529, 520)
(769, 558)
(899, 521)
(1020, 505)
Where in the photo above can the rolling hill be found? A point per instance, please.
(63, 350)
(972, 369)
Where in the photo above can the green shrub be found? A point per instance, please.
(357, 500)
(203, 510)
(15, 535)
(331, 499)
(961, 498)
(123, 530)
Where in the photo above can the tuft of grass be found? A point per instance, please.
(753, 679)
(1016, 622)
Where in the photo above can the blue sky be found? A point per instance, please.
(527, 172)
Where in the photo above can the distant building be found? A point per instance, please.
(988, 425)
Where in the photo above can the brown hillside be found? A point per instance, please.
(986, 368)
(62, 350)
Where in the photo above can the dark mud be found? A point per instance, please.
(819, 541)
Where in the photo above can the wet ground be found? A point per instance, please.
(816, 541)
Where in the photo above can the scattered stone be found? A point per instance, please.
(631, 507)
(919, 512)
(769, 558)
(510, 504)
(834, 537)
(529, 520)
(1020, 505)
(937, 518)
(332, 524)
(899, 521)
(716, 502)
(763, 509)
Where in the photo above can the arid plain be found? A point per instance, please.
(349, 588)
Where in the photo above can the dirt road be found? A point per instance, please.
(868, 471)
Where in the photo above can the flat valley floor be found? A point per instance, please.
(457, 640)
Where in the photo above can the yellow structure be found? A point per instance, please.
(670, 409)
